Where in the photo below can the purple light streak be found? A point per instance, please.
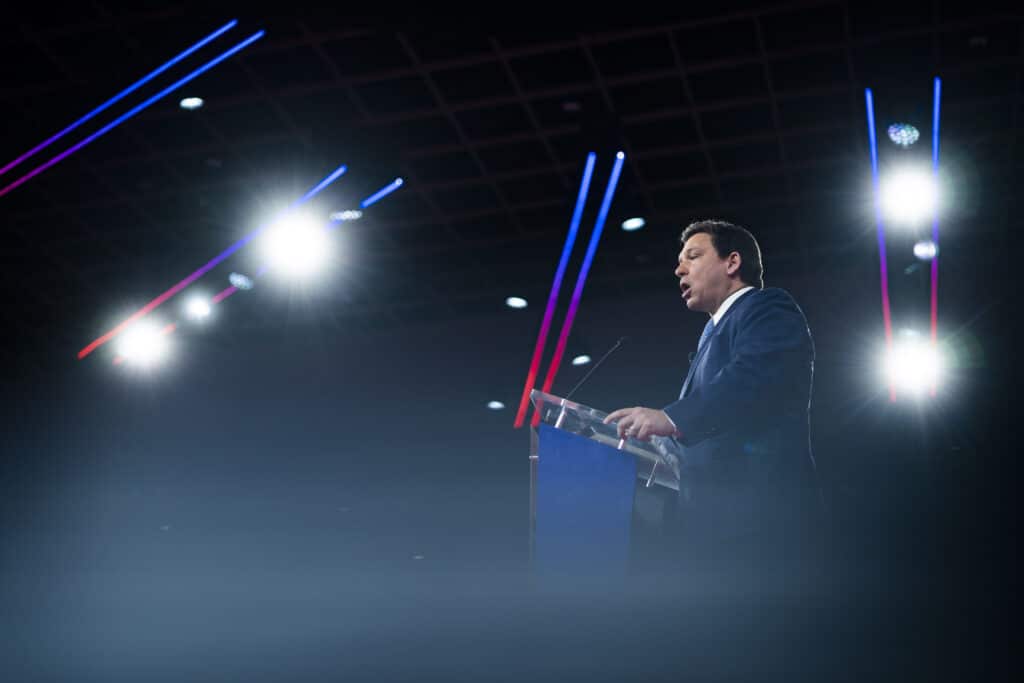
(875, 184)
(381, 193)
(577, 293)
(935, 220)
(130, 113)
(556, 285)
(121, 95)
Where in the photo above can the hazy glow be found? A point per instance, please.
(296, 245)
(197, 307)
(926, 250)
(914, 365)
(496, 405)
(191, 103)
(515, 302)
(909, 196)
(581, 360)
(631, 224)
(143, 344)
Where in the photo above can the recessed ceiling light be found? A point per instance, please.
(240, 281)
(191, 103)
(515, 302)
(635, 223)
(496, 405)
(926, 250)
(581, 359)
(903, 134)
(348, 215)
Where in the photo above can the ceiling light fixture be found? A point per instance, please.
(515, 302)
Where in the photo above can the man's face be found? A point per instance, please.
(703, 276)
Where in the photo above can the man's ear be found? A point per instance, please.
(735, 261)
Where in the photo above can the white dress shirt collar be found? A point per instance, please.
(729, 302)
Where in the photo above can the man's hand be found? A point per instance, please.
(641, 423)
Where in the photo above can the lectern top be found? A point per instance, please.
(658, 457)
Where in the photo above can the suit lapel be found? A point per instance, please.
(703, 351)
(696, 360)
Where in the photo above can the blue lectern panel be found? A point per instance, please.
(584, 506)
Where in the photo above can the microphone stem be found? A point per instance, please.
(596, 366)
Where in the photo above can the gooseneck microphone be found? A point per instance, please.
(596, 366)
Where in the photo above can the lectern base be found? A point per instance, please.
(584, 507)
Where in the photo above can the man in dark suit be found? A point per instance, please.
(748, 491)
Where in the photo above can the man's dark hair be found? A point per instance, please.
(728, 238)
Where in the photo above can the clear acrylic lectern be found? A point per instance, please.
(584, 481)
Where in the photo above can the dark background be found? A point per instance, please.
(313, 488)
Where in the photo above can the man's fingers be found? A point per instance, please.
(626, 425)
(614, 415)
(631, 422)
(618, 414)
(646, 431)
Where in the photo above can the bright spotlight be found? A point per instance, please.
(926, 250)
(191, 103)
(914, 365)
(296, 245)
(515, 302)
(631, 224)
(144, 344)
(496, 405)
(581, 359)
(909, 196)
(197, 308)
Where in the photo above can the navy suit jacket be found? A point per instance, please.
(744, 417)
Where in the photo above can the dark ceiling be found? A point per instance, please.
(753, 112)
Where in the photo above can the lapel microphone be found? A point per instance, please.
(596, 366)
